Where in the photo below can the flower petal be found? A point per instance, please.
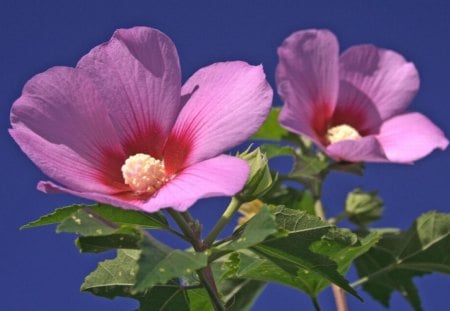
(354, 108)
(138, 73)
(62, 164)
(61, 123)
(409, 137)
(219, 176)
(366, 149)
(386, 78)
(307, 81)
(228, 103)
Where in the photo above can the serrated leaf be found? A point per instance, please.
(398, 258)
(111, 275)
(256, 230)
(271, 129)
(363, 207)
(158, 263)
(116, 215)
(342, 251)
(116, 277)
(293, 252)
(125, 237)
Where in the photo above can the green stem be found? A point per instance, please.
(338, 218)
(207, 279)
(223, 221)
(316, 304)
(338, 293)
(186, 224)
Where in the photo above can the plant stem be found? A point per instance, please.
(338, 293)
(186, 223)
(207, 279)
(184, 226)
(316, 304)
(223, 221)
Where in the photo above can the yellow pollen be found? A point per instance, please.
(342, 132)
(143, 173)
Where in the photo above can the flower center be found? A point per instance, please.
(143, 173)
(342, 132)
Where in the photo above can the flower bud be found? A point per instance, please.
(260, 180)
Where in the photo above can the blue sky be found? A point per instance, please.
(43, 271)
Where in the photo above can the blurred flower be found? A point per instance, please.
(260, 180)
(249, 209)
(120, 129)
(353, 105)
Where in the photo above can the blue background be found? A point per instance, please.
(42, 271)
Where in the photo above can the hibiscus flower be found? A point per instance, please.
(120, 129)
(353, 105)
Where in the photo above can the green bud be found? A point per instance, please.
(363, 208)
(260, 180)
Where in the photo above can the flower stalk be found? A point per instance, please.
(191, 231)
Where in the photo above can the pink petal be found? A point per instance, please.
(307, 81)
(219, 176)
(61, 123)
(229, 102)
(409, 137)
(138, 73)
(354, 108)
(366, 149)
(62, 164)
(386, 78)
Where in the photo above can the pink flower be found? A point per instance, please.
(120, 129)
(353, 105)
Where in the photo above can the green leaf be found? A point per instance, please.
(199, 300)
(291, 198)
(84, 222)
(158, 263)
(271, 129)
(256, 230)
(293, 252)
(310, 169)
(398, 258)
(363, 207)
(240, 294)
(343, 250)
(125, 237)
(116, 215)
(273, 151)
(116, 277)
(348, 167)
(246, 265)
